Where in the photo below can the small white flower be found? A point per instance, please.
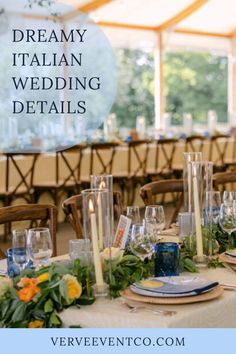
(5, 285)
(113, 253)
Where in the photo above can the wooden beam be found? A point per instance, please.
(200, 33)
(181, 15)
(91, 6)
(125, 25)
(232, 34)
(152, 28)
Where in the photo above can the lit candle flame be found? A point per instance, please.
(91, 207)
(102, 185)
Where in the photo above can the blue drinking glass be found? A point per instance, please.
(166, 259)
(12, 268)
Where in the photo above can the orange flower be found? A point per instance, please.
(29, 289)
(27, 282)
(36, 324)
(27, 294)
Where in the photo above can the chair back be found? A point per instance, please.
(46, 214)
(218, 149)
(221, 179)
(194, 143)
(102, 158)
(73, 209)
(137, 158)
(19, 174)
(164, 155)
(149, 191)
(69, 161)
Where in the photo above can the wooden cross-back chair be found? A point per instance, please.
(221, 179)
(136, 168)
(73, 207)
(194, 143)
(164, 155)
(45, 214)
(21, 165)
(149, 191)
(67, 174)
(230, 161)
(102, 158)
(217, 152)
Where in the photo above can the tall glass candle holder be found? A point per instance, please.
(105, 182)
(96, 221)
(206, 185)
(189, 157)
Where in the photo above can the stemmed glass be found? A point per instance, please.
(227, 220)
(40, 246)
(154, 219)
(132, 212)
(229, 197)
(213, 203)
(212, 211)
(140, 242)
(19, 248)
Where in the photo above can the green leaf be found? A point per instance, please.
(54, 319)
(63, 290)
(19, 313)
(48, 306)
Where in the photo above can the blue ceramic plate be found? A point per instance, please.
(176, 286)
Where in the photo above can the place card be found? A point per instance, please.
(122, 232)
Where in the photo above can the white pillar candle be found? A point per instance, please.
(100, 218)
(197, 218)
(189, 187)
(96, 254)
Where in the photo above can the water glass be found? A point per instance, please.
(12, 268)
(186, 222)
(140, 242)
(80, 248)
(132, 212)
(154, 214)
(40, 246)
(20, 252)
(166, 259)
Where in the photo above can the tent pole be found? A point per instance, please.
(159, 84)
(232, 81)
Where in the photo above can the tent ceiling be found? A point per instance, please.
(215, 19)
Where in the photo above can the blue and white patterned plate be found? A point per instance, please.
(176, 286)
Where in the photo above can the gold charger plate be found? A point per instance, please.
(227, 259)
(210, 295)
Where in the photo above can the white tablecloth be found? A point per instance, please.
(105, 313)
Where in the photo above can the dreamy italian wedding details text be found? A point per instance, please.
(49, 59)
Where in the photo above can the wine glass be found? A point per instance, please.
(227, 219)
(213, 203)
(229, 197)
(155, 218)
(19, 248)
(40, 246)
(132, 212)
(140, 243)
